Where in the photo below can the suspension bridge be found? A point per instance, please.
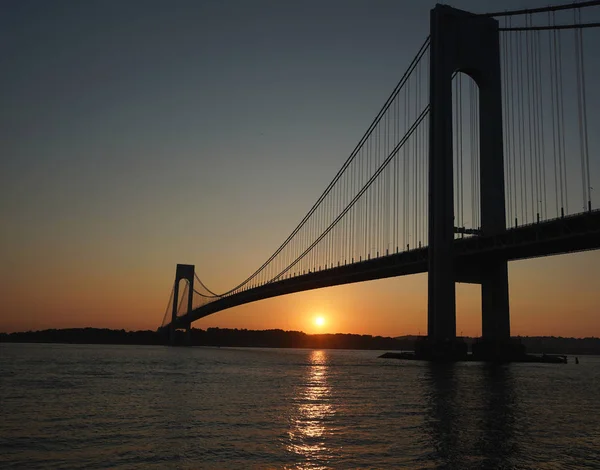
(482, 154)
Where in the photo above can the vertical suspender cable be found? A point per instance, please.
(512, 123)
(419, 187)
(529, 103)
(472, 151)
(552, 50)
(505, 115)
(382, 190)
(540, 113)
(377, 188)
(395, 178)
(416, 150)
(561, 123)
(460, 153)
(367, 200)
(579, 111)
(423, 192)
(477, 161)
(536, 99)
(455, 150)
(405, 175)
(585, 127)
(352, 212)
(584, 134)
(388, 191)
(521, 127)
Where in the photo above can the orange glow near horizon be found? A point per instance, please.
(556, 296)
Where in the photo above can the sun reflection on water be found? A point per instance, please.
(313, 410)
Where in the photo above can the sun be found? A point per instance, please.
(319, 321)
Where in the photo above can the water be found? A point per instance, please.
(74, 406)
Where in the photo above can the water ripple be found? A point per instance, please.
(72, 406)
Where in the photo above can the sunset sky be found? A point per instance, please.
(141, 134)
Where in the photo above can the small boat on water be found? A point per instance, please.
(554, 358)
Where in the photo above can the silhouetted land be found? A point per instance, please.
(279, 339)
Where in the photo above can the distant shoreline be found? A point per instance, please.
(227, 337)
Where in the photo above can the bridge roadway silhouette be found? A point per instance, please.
(569, 234)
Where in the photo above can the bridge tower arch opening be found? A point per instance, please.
(466, 164)
(185, 272)
(467, 43)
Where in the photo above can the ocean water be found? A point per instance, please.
(127, 407)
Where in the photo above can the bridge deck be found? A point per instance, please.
(558, 236)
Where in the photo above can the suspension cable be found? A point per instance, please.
(338, 175)
(364, 189)
(558, 26)
(565, 6)
(561, 117)
(585, 126)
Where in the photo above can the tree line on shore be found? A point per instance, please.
(228, 337)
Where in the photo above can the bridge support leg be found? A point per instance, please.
(495, 343)
(441, 313)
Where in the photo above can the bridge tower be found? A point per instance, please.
(183, 271)
(468, 43)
